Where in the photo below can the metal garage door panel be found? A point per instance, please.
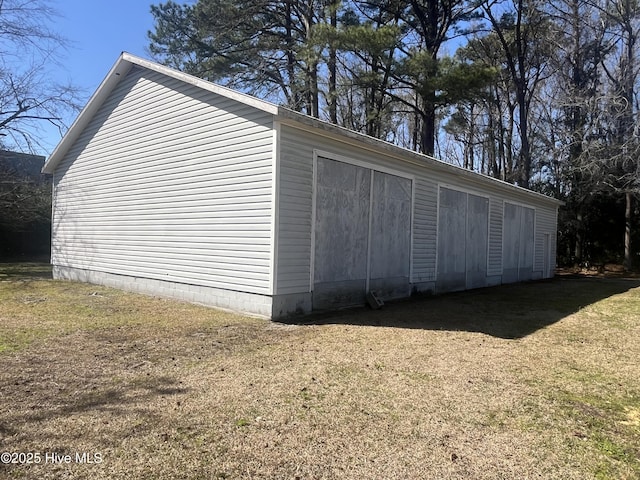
(341, 233)
(526, 244)
(518, 243)
(390, 235)
(511, 242)
(477, 240)
(452, 214)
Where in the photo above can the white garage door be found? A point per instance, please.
(463, 231)
(362, 234)
(517, 243)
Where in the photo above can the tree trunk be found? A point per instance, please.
(291, 59)
(428, 142)
(313, 93)
(469, 147)
(577, 252)
(525, 155)
(332, 67)
(490, 142)
(628, 260)
(416, 129)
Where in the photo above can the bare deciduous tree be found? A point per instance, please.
(28, 98)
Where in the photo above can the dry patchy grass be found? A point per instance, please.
(523, 381)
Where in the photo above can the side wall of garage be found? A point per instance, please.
(354, 218)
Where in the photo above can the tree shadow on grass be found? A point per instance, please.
(98, 405)
(13, 271)
(507, 311)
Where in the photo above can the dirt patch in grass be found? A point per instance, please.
(522, 381)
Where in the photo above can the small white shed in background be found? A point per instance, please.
(171, 185)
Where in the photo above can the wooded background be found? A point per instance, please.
(25, 207)
(30, 98)
(539, 94)
(536, 93)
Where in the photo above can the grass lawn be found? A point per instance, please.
(539, 380)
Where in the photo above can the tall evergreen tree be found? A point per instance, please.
(260, 46)
(428, 26)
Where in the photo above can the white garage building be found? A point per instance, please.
(171, 185)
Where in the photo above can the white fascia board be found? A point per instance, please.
(118, 72)
(204, 84)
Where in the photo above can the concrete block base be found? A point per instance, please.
(266, 306)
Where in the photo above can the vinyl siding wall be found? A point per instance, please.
(169, 182)
(295, 209)
(294, 214)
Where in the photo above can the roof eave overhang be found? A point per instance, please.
(299, 120)
(120, 69)
(117, 72)
(285, 115)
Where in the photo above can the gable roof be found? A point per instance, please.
(126, 61)
(116, 74)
